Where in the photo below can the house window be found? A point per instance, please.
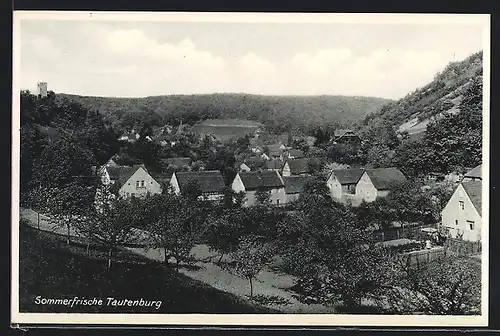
(461, 204)
(456, 221)
(142, 183)
(133, 194)
(277, 201)
(137, 184)
(470, 224)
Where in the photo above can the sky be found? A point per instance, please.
(140, 58)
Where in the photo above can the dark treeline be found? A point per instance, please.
(277, 113)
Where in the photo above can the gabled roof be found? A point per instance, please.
(297, 153)
(274, 164)
(341, 132)
(177, 161)
(267, 179)
(474, 191)
(275, 150)
(298, 166)
(475, 173)
(210, 181)
(122, 173)
(348, 176)
(383, 178)
(295, 184)
(161, 178)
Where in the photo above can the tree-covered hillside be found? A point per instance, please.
(444, 94)
(278, 113)
(447, 117)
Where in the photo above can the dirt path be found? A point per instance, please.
(267, 283)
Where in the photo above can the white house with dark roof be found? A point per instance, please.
(461, 217)
(211, 183)
(342, 184)
(377, 182)
(136, 181)
(267, 180)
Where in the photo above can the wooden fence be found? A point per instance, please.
(417, 258)
(409, 232)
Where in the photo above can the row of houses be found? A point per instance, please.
(285, 185)
(461, 217)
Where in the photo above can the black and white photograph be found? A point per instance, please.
(238, 168)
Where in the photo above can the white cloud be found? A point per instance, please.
(127, 62)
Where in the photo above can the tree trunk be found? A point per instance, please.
(88, 247)
(38, 219)
(251, 288)
(165, 259)
(220, 258)
(109, 257)
(68, 241)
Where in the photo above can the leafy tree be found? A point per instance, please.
(250, 258)
(192, 190)
(172, 228)
(332, 256)
(32, 143)
(300, 144)
(262, 196)
(60, 163)
(67, 206)
(448, 286)
(224, 232)
(63, 185)
(109, 223)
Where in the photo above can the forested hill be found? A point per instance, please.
(412, 113)
(301, 113)
(437, 128)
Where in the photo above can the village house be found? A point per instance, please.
(342, 184)
(267, 180)
(253, 162)
(276, 165)
(461, 217)
(346, 136)
(296, 167)
(276, 151)
(162, 140)
(294, 185)
(309, 140)
(264, 156)
(211, 183)
(474, 174)
(130, 136)
(135, 181)
(176, 163)
(293, 154)
(377, 182)
(112, 173)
